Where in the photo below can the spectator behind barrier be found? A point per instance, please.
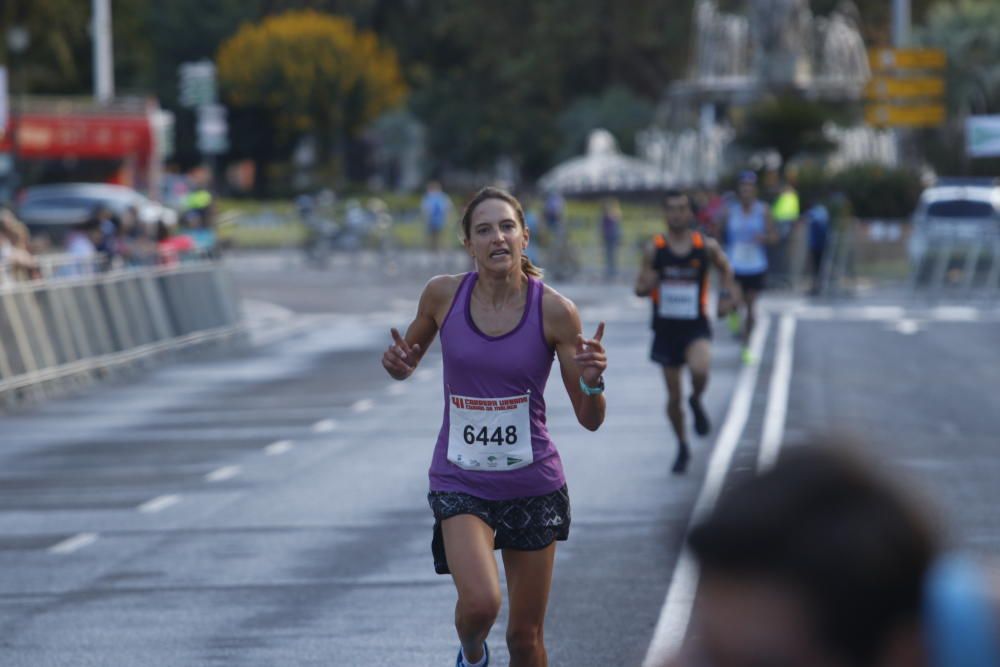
(821, 562)
(134, 242)
(171, 248)
(14, 248)
(106, 241)
(81, 246)
(196, 226)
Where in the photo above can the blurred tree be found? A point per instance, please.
(311, 73)
(618, 110)
(789, 124)
(56, 29)
(58, 58)
(876, 191)
(968, 32)
(507, 69)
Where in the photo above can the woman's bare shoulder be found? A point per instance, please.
(558, 311)
(440, 290)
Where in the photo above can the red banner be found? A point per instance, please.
(90, 137)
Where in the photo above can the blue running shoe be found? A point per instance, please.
(486, 653)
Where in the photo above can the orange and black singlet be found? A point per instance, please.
(681, 294)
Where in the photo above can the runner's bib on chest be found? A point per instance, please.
(746, 254)
(678, 300)
(489, 434)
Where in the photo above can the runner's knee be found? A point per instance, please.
(524, 639)
(480, 609)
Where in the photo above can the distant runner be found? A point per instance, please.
(748, 230)
(496, 479)
(675, 274)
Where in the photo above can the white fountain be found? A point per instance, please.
(604, 169)
(778, 46)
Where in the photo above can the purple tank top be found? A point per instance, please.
(481, 366)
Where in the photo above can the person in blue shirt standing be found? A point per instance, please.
(748, 231)
(817, 218)
(611, 234)
(435, 206)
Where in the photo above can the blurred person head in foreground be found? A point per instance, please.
(821, 562)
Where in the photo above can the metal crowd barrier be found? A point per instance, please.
(77, 322)
(881, 252)
(959, 267)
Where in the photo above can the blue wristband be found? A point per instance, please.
(592, 391)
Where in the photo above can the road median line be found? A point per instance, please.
(676, 611)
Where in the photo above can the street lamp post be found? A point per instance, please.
(18, 39)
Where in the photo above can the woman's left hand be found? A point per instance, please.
(590, 356)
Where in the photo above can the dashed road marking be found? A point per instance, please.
(882, 312)
(324, 426)
(905, 326)
(222, 474)
(277, 448)
(74, 543)
(362, 405)
(159, 503)
(955, 313)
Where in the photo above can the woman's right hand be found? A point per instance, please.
(400, 359)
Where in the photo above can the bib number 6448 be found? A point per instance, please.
(483, 436)
(490, 434)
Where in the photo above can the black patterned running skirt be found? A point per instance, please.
(523, 524)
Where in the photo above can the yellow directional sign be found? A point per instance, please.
(887, 88)
(887, 115)
(897, 59)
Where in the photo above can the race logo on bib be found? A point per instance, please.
(490, 434)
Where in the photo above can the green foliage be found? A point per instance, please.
(789, 124)
(57, 30)
(875, 191)
(968, 32)
(524, 63)
(618, 110)
(183, 31)
(310, 73)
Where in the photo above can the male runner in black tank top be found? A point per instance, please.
(674, 273)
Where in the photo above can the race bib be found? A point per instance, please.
(678, 300)
(489, 434)
(746, 254)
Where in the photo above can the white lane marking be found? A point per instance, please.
(362, 405)
(882, 312)
(817, 313)
(676, 611)
(159, 504)
(777, 395)
(396, 389)
(74, 543)
(955, 313)
(222, 474)
(324, 426)
(279, 447)
(906, 327)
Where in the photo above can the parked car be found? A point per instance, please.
(956, 226)
(54, 209)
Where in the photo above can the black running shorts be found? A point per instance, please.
(523, 524)
(672, 339)
(752, 281)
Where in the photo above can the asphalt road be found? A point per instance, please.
(269, 507)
